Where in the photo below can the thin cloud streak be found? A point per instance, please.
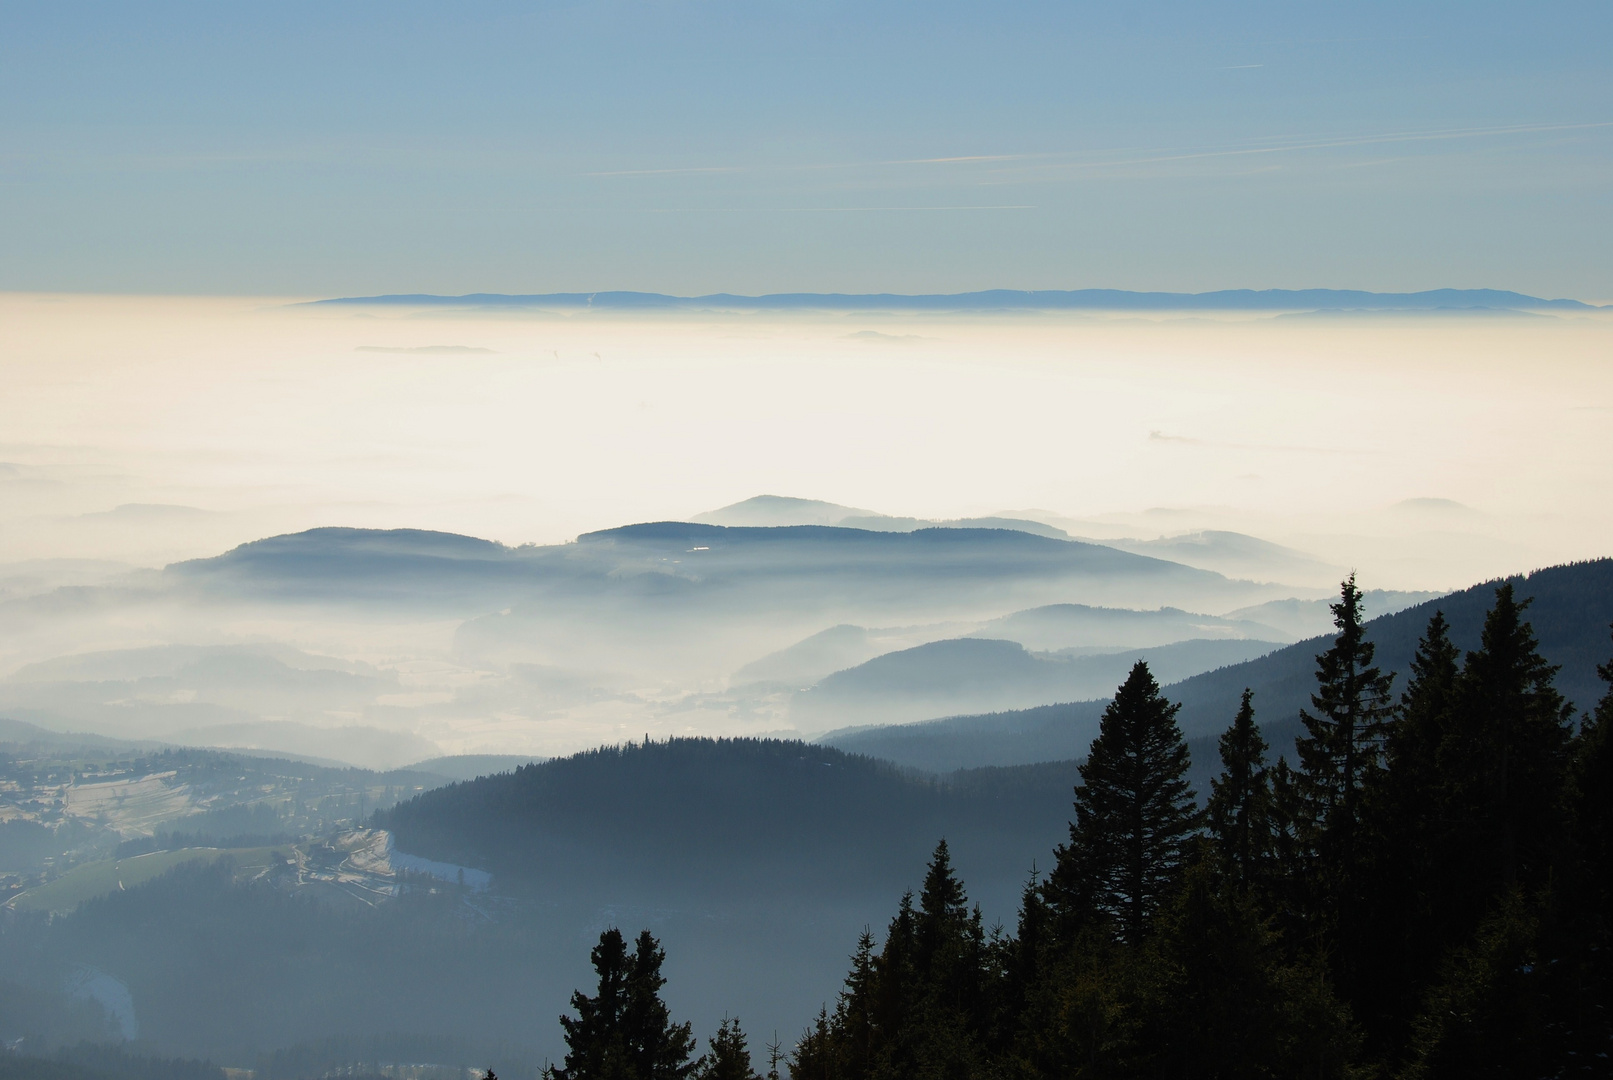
(1272, 145)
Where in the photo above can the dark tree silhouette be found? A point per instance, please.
(1134, 812)
(729, 1055)
(625, 1032)
(1240, 807)
(1343, 741)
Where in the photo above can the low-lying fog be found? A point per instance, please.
(1426, 452)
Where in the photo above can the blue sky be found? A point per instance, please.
(691, 146)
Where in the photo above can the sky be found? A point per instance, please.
(690, 146)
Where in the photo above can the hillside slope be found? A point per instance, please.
(965, 674)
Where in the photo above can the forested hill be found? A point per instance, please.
(703, 820)
(1571, 611)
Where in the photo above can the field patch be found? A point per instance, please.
(109, 875)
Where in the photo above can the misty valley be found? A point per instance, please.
(357, 802)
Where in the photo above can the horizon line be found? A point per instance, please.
(1342, 301)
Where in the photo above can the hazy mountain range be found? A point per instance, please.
(385, 647)
(1571, 613)
(1008, 300)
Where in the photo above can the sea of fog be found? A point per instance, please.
(1426, 452)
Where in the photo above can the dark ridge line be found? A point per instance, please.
(1339, 300)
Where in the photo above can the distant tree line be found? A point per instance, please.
(1426, 892)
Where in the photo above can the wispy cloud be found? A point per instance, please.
(1115, 157)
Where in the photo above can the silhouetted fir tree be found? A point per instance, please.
(1405, 858)
(1504, 761)
(1338, 756)
(1506, 841)
(946, 1024)
(947, 938)
(1420, 725)
(596, 1040)
(855, 1037)
(1134, 812)
(814, 1054)
(658, 1048)
(624, 1032)
(1240, 805)
(1342, 744)
(729, 1056)
(1024, 955)
(1287, 814)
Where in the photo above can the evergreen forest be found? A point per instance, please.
(1423, 892)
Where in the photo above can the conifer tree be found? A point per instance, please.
(1506, 757)
(1134, 812)
(1419, 727)
(624, 1032)
(596, 1039)
(853, 1025)
(658, 1048)
(948, 1023)
(1339, 757)
(729, 1056)
(947, 938)
(814, 1058)
(896, 991)
(1342, 745)
(1023, 967)
(1240, 800)
(943, 908)
(1407, 860)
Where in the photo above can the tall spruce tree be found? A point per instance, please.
(949, 948)
(1343, 740)
(1505, 759)
(658, 1048)
(1420, 725)
(625, 1032)
(1134, 812)
(596, 1039)
(1402, 943)
(856, 1038)
(1240, 807)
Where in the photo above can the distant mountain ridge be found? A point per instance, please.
(1571, 609)
(974, 674)
(1006, 300)
(663, 558)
